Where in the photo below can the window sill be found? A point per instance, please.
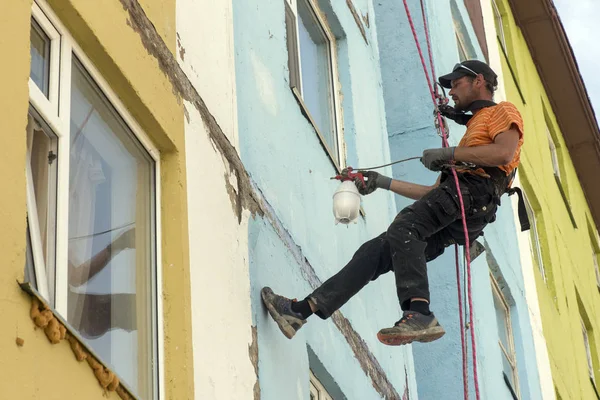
(60, 329)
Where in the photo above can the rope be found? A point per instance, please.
(463, 341)
(462, 206)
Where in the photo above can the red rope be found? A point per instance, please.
(462, 209)
(463, 341)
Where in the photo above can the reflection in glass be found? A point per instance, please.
(40, 58)
(317, 82)
(111, 252)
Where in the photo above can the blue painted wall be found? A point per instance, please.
(286, 161)
(409, 109)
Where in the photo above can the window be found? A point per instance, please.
(466, 50)
(312, 70)
(536, 248)
(499, 24)
(505, 338)
(553, 154)
(317, 391)
(462, 51)
(595, 253)
(556, 164)
(588, 351)
(91, 201)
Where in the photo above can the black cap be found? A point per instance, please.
(469, 68)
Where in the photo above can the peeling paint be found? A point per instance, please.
(253, 352)
(357, 20)
(245, 198)
(181, 48)
(44, 318)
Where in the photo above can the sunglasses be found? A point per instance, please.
(458, 66)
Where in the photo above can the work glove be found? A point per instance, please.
(435, 159)
(373, 180)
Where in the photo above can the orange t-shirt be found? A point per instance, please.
(488, 123)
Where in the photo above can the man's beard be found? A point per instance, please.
(459, 106)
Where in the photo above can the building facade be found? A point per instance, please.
(561, 250)
(167, 159)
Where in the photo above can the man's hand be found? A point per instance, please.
(434, 159)
(373, 180)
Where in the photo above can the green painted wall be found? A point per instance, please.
(567, 238)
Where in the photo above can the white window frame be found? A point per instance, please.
(510, 353)
(500, 25)
(317, 389)
(55, 111)
(534, 238)
(292, 16)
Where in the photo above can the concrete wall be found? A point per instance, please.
(295, 244)
(410, 126)
(110, 34)
(570, 291)
(220, 286)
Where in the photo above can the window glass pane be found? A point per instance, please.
(111, 231)
(462, 54)
(507, 368)
(535, 239)
(317, 83)
(588, 352)
(501, 320)
(499, 24)
(40, 58)
(41, 154)
(29, 268)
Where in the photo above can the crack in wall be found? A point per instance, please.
(248, 196)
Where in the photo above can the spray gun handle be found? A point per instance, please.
(347, 174)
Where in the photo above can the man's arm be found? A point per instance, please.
(412, 190)
(501, 152)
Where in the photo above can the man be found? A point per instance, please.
(484, 160)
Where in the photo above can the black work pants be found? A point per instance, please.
(419, 233)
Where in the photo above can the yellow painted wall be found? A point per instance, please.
(567, 251)
(38, 369)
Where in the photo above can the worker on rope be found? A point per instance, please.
(484, 161)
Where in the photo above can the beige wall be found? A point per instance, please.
(103, 31)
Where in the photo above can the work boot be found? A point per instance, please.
(412, 327)
(280, 309)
